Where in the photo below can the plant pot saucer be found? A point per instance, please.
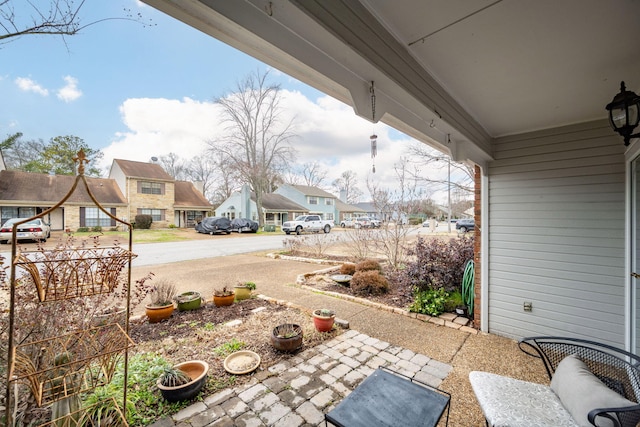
(341, 278)
(241, 362)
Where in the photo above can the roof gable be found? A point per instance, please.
(308, 190)
(186, 194)
(143, 170)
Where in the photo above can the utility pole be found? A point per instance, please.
(449, 193)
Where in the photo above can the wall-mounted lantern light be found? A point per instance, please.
(624, 113)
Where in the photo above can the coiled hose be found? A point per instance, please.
(468, 286)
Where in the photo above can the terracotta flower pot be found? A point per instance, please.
(223, 301)
(158, 313)
(196, 370)
(323, 321)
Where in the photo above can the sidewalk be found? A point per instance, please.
(454, 351)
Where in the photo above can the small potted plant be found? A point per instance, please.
(188, 301)
(243, 290)
(287, 337)
(183, 381)
(161, 306)
(223, 297)
(323, 319)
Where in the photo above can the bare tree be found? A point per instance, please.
(347, 184)
(313, 174)
(174, 166)
(396, 206)
(203, 170)
(59, 17)
(225, 181)
(18, 153)
(255, 140)
(461, 175)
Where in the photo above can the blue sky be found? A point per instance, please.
(138, 91)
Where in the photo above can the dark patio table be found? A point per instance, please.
(387, 398)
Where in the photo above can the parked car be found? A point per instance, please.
(347, 222)
(36, 229)
(366, 222)
(427, 223)
(214, 225)
(465, 225)
(244, 225)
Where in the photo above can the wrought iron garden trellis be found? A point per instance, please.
(76, 361)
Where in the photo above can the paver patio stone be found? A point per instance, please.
(274, 413)
(264, 402)
(189, 411)
(299, 391)
(310, 413)
(234, 407)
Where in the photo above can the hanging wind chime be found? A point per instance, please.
(373, 137)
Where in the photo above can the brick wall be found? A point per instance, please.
(152, 201)
(72, 215)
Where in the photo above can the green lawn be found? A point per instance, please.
(144, 236)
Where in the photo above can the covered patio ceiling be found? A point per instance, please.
(455, 74)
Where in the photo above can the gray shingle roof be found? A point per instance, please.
(143, 170)
(186, 195)
(313, 191)
(18, 186)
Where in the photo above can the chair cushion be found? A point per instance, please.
(508, 402)
(580, 391)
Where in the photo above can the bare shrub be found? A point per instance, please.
(370, 282)
(368, 265)
(348, 268)
(318, 243)
(358, 243)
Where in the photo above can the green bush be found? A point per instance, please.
(143, 222)
(369, 282)
(431, 302)
(454, 300)
(348, 268)
(83, 229)
(173, 226)
(368, 265)
(96, 229)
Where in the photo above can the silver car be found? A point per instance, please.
(36, 229)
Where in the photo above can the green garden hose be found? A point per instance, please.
(468, 286)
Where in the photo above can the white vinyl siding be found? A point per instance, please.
(557, 234)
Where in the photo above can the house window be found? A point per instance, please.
(156, 214)
(7, 212)
(94, 217)
(328, 202)
(328, 216)
(146, 187)
(313, 200)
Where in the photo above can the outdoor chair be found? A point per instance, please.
(592, 384)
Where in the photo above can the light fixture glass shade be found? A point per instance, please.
(624, 112)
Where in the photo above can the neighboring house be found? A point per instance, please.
(470, 80)
(316, 201)
(150, 190)
(346, 210)
(190, 205)
(25, 194)
(276, 208)
(369, 209)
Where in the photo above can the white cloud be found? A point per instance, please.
(70, 91)
(28, 85)
(327, 131)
